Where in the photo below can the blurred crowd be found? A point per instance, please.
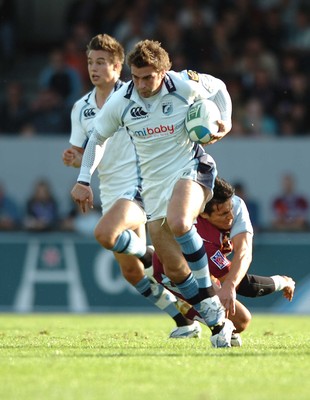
(41, 212)
(260, 48)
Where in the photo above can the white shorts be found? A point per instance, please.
(157, 194)
(118, 173)
(129, 193)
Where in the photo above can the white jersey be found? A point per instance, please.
(117, 170)
(164, 150)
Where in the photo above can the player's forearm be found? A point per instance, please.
(239, 267)
(242, 258)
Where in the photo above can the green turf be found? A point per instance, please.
(105, 357)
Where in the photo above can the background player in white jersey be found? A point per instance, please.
(177, 176)
(225, 226)
(119, 186)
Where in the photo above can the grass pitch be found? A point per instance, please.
(120, 357)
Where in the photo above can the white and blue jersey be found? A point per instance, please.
(117, 170)
(165, 153)
(242, 222)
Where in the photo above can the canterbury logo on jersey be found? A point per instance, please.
(89, 113)
(161, 130)
(138, 112)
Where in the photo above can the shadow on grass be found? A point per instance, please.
(231, 353)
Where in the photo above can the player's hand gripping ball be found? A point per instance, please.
(201, 121)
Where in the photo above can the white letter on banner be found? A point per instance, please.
(109, 282)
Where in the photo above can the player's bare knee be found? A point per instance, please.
(179, 274)
(106, 239)
(132, 275)
(241, 319)
(178, 225)
(244, 322)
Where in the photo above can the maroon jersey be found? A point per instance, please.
(217, 244)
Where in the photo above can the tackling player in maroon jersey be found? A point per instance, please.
(225, 226)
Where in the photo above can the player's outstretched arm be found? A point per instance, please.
(240, 263)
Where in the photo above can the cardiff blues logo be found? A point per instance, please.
(206, 83)
(167, 108)
(219, 260)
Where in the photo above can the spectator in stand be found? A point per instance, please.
(299, 33)
(290, 208)
(111, 16)
(9, 211)
(81, 223)
(74, 51)
(272, 28)
(47, 115)
(287, 127)
(256, 122)
(255, 56)
(289, 65)
(235, 89)
(41, 209)
(237, 130)
(7, 34)
(252, 205)
(13, 109)
(170, 34)
(136, 24)
(75, 58)
(294, 101)
(195, 20)
(89, 12)
(61, 78)
(263, 53)
(263, 88)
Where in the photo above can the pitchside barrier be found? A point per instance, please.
(57, 272)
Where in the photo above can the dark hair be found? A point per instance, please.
(149, 52)
(222, 192)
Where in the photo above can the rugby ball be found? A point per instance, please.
(201, 121)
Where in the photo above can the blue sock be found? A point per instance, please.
(157, 295)
(189, 289)
(195, 254)
(129, 242)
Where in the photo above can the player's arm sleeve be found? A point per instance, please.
(215, 89)
(106, 123)
(78, 137)
(91, 158)
(242, 222)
